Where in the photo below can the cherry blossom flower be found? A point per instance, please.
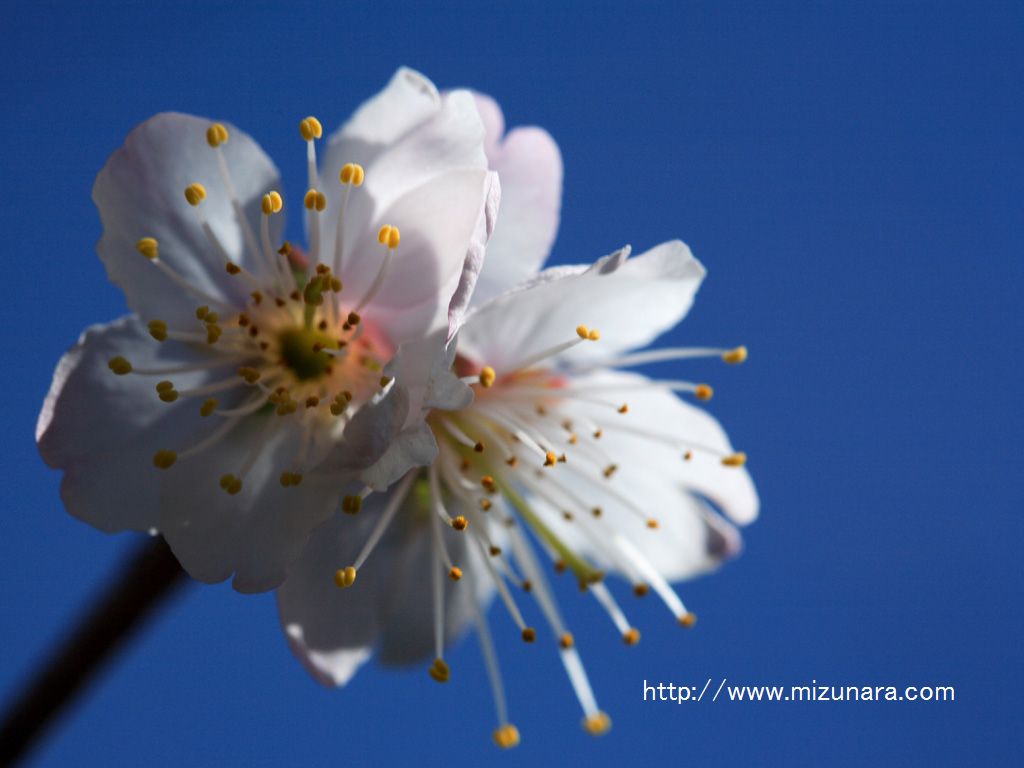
(542, 442)
(205, 413)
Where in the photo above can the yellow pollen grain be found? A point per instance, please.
(512, 461)
(164, 459)
(583, 332)
(345, 577)
(217, 134)
(213, 332)
(351, 504)
(529, 635)
(487, 377)
(310, 128)
(640, 590)
(202, 312)
(688, 456)
(209, 406)
(314, 200)
(597, 724)
(488, 483)
(652, 524)
(566, 641)
(631, 636)
(507, 736)
(271, 203)
(735, 356)
(688, 620)
(550, 458)
(735, 459)
(624, 408)
(195, 194)
(703, 392)
(231, 484)
(460, 523)
(389, 236)
(455, 573)
(610, 470)
(352, 173)
(593, 335)
(158, 330)
(148, 247)
(596, 511)
(439, 671)
(485, 505)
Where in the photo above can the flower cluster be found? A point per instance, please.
(396, 424)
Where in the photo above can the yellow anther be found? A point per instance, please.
(315, 200)
(487, 376)
(271, 203)
(529, 635)
(597, 511)
(624, 408)
(195, 194)
(231, 268)
(164, 459)
(213, 332)
(352, 173)
(389, 236)
(148, 247)
(734, 356)
(512, 461)
(202, 312)
(345, 577)
(353, 318)
(249, 375)
(631, 636)
(312, 401)
(164, 386)
(593, 334)
(566, 641)
(310, 128)
(158, 330)
(211, 317)
(488, 483)
(290, 479)
(597, 724)
(217, 134)
(550, 458)
(640, 590)
(459, 523)
(703, 392)
(527, 585)
(652, 524)
(231, 484)
(384, 381)
(485, 505)
(439, 671)
(478, 447)
(455, 573)
(559, 566)
(209, 406)
(688, 620)
(119, 365)
(351, 504)
(583, 332)
(507, 736)
(495, 551)
(610, 470)
(688, 456)
(737, 459)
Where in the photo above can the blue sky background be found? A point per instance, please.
(850, 174)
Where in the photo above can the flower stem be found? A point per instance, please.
(148, 577)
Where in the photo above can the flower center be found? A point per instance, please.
(302, 352)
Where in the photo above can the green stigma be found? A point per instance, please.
(300, 351)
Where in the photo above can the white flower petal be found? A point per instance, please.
(465, 293)
(530, 168)
(437, 222)
(103, 429)
(630, 301)
(255, 534)
(140, 193)
(390, 601)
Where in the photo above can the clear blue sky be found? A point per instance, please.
(851, 175)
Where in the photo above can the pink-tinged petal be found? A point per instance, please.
(464, 294)
(102, 430)
(140, 193)
(257, 533)
(629, 301)
(529, 165)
